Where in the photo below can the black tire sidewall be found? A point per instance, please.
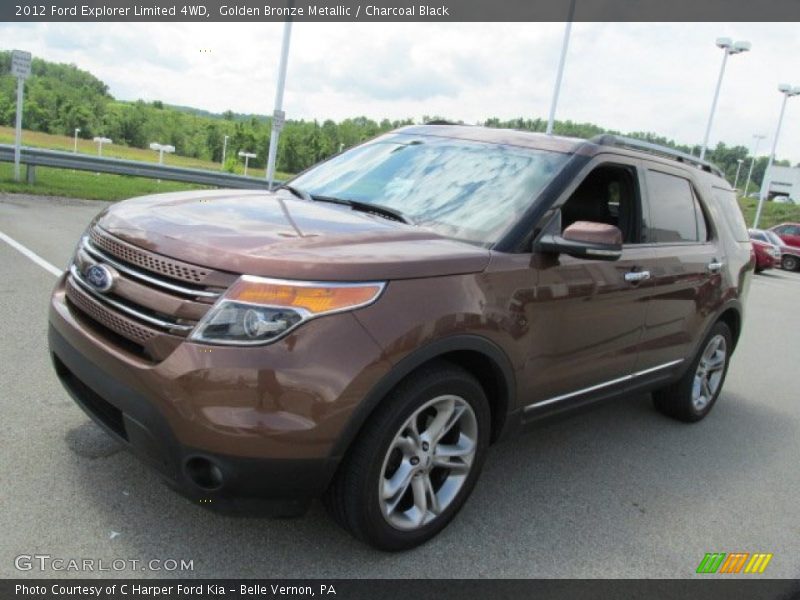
(787, 261)
(688, 382)
(405, 401)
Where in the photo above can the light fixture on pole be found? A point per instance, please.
(162, 149)
(75, 145)
(560, 74)
(739, 168)
(278, 116)
(246, 156)
(788, 91)
(224, 149)
(758, 137)
(729, 47)
(100, 141)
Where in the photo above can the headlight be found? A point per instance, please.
(256, 310)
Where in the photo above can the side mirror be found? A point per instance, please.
(585, 239)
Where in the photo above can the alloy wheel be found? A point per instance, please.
(710, 369)
(428, 462)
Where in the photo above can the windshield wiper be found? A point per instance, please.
(376, 209)
(302, 194)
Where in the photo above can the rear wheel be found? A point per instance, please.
(790, 263)
(691, 398)
(416, 460)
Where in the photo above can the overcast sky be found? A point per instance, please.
(626, 76)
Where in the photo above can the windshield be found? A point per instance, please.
(466, 190)
(773, 238)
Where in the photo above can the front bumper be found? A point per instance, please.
(239, 430)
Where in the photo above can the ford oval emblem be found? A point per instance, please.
(101, 277)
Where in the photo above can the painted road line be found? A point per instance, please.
(32, 255)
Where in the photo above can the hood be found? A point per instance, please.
(274, 235)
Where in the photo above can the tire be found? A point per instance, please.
(790, 262)
(391, 453)
(759, 270)
(685, 401)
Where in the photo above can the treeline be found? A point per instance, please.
(60, 98)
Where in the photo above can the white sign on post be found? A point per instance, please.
(21, 64)
(21, 69)
(278, 120)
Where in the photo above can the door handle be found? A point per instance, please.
(715, 266)
(635, 276)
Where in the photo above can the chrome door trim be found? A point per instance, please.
(605, 384)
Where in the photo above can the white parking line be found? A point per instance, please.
(31, 254)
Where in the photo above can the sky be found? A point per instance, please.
(657, 77)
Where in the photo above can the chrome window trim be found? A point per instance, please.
(605, 384)
(100, 255)
(76, 276)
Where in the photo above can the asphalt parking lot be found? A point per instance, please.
(619, 491)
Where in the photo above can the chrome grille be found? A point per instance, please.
(169, 267)
(155, 301)
(95, 309)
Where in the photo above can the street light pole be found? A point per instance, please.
(75, 146)
(787, 91)
(728, 48)
(224, 149)
(758, 137)
(278, 116)
(739, 168)
(561, 61)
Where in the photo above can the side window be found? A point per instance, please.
(727, 204)
(609, 194)
(675, 215)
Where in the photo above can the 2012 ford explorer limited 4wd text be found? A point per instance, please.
(365, 332)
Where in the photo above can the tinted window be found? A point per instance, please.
(726, 201)
(673, 213)
(758, 235)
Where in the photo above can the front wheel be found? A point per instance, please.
(790, 263)
(691, 397)
(415, 462)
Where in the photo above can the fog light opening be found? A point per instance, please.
(204, 473)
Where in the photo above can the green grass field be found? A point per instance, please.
(81, 184)
(772, 214)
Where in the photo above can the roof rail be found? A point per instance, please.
(619, 141)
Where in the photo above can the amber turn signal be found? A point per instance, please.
(312, 297)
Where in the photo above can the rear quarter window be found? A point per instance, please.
(731, 213)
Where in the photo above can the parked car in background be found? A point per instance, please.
(790, 255)
(783, 200)
(768, 254)
(789, 234)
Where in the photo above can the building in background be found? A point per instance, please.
(782, 181)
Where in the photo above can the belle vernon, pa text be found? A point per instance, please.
(233, 10)
(204, 590)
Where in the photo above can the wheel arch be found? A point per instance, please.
(478, 355)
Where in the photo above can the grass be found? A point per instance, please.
(82, 184)
(771, 213)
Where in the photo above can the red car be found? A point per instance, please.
(767, 255)
(789, 235)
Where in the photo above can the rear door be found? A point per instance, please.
(684, 270)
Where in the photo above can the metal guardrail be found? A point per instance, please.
(39, 157)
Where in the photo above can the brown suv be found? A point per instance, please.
(365, 332)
